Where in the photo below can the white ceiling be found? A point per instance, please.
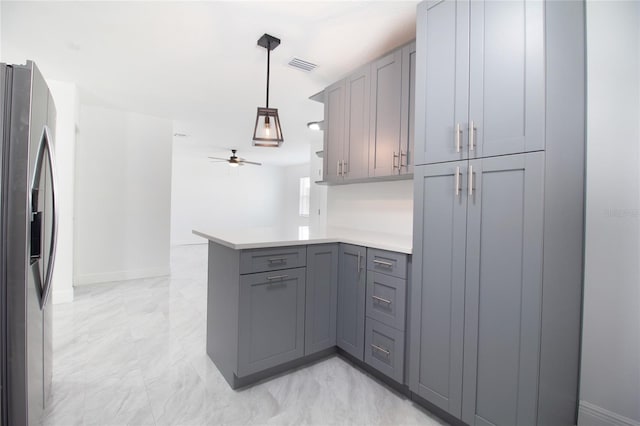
(198, 63)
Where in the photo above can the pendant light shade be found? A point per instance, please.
(267, 130)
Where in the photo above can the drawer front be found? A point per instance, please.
(271, 319)
(272, 259)
(386, 299)
(387, 262)
(384, 349)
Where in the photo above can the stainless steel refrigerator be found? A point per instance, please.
(28, 233)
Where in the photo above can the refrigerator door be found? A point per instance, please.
(28, 237)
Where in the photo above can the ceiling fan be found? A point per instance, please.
(235, 161)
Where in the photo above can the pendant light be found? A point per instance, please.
(267, 131)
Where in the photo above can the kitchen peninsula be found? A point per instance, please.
(279, 298)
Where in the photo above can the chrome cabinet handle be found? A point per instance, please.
(472, 129)
(277, 260)
(277, 277)
(383, 263)
(46, 144)
(359, 262)
(378, 348)
(457, 137)
(405, 155)
(393, 160)
(457, 181)
(345, 168)
(470, 179)
(339, 168)
(380, 299)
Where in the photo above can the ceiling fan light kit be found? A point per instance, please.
(267, 131)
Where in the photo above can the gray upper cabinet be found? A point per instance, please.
(321, 297)
(437, 295)
(271, 319)
(386, 98)
(507, 77)
(356, 159)
(377, 103)
(408, 111)
(334, 131)
(351, 299)
(484, 85)
(442, 103)
(503, 304)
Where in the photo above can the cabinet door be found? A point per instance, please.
(503, 291)
(386, 105)
(271, 319)
(408, 112)
(507, 68)
(437, 290)
(357, 124)
(351, 299)
(321, 295)
(442, 83)
(334, 131)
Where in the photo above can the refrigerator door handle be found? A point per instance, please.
(46, 145)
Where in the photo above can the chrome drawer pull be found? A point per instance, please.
(380, 299)
(378, 348)
(383, 263)
(277, 277)
(277, 259)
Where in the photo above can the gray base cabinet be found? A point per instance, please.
(351, 299)
(271, 328)
(321, 297)
(384, 349)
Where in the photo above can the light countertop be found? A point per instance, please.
(250, 238)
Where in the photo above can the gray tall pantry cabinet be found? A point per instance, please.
(498, 210)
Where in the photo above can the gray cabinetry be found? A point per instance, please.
(503, 305)
(334, 115)
(355, 162)
(377, 122)
(437, 300)
(271, 319)
(386, 98)
(408, 112)
(386, 312)
(351, 299)
(484, 79)
(321, 297)
(478, 310)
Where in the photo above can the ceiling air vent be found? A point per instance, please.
(302, 65)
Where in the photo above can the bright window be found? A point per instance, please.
(305, 187)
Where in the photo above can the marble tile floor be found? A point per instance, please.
(133, 353)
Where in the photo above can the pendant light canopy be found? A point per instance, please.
(267, 131)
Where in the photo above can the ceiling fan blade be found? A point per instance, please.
(218, 158)
(251, 162)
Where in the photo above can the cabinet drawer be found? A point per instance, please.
(387, 262)
(271, 319)
(386, 299)
(384, 349)
(272, 259)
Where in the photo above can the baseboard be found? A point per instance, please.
(592, 415)
(121, 275)
(62, 296)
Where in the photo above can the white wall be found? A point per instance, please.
(291, 211)
(610, 376)
(65, 96)
(207, 195)
(123, 195)
(379, 206)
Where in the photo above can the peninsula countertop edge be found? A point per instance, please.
(254, 238)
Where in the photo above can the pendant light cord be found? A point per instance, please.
(268, 62)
